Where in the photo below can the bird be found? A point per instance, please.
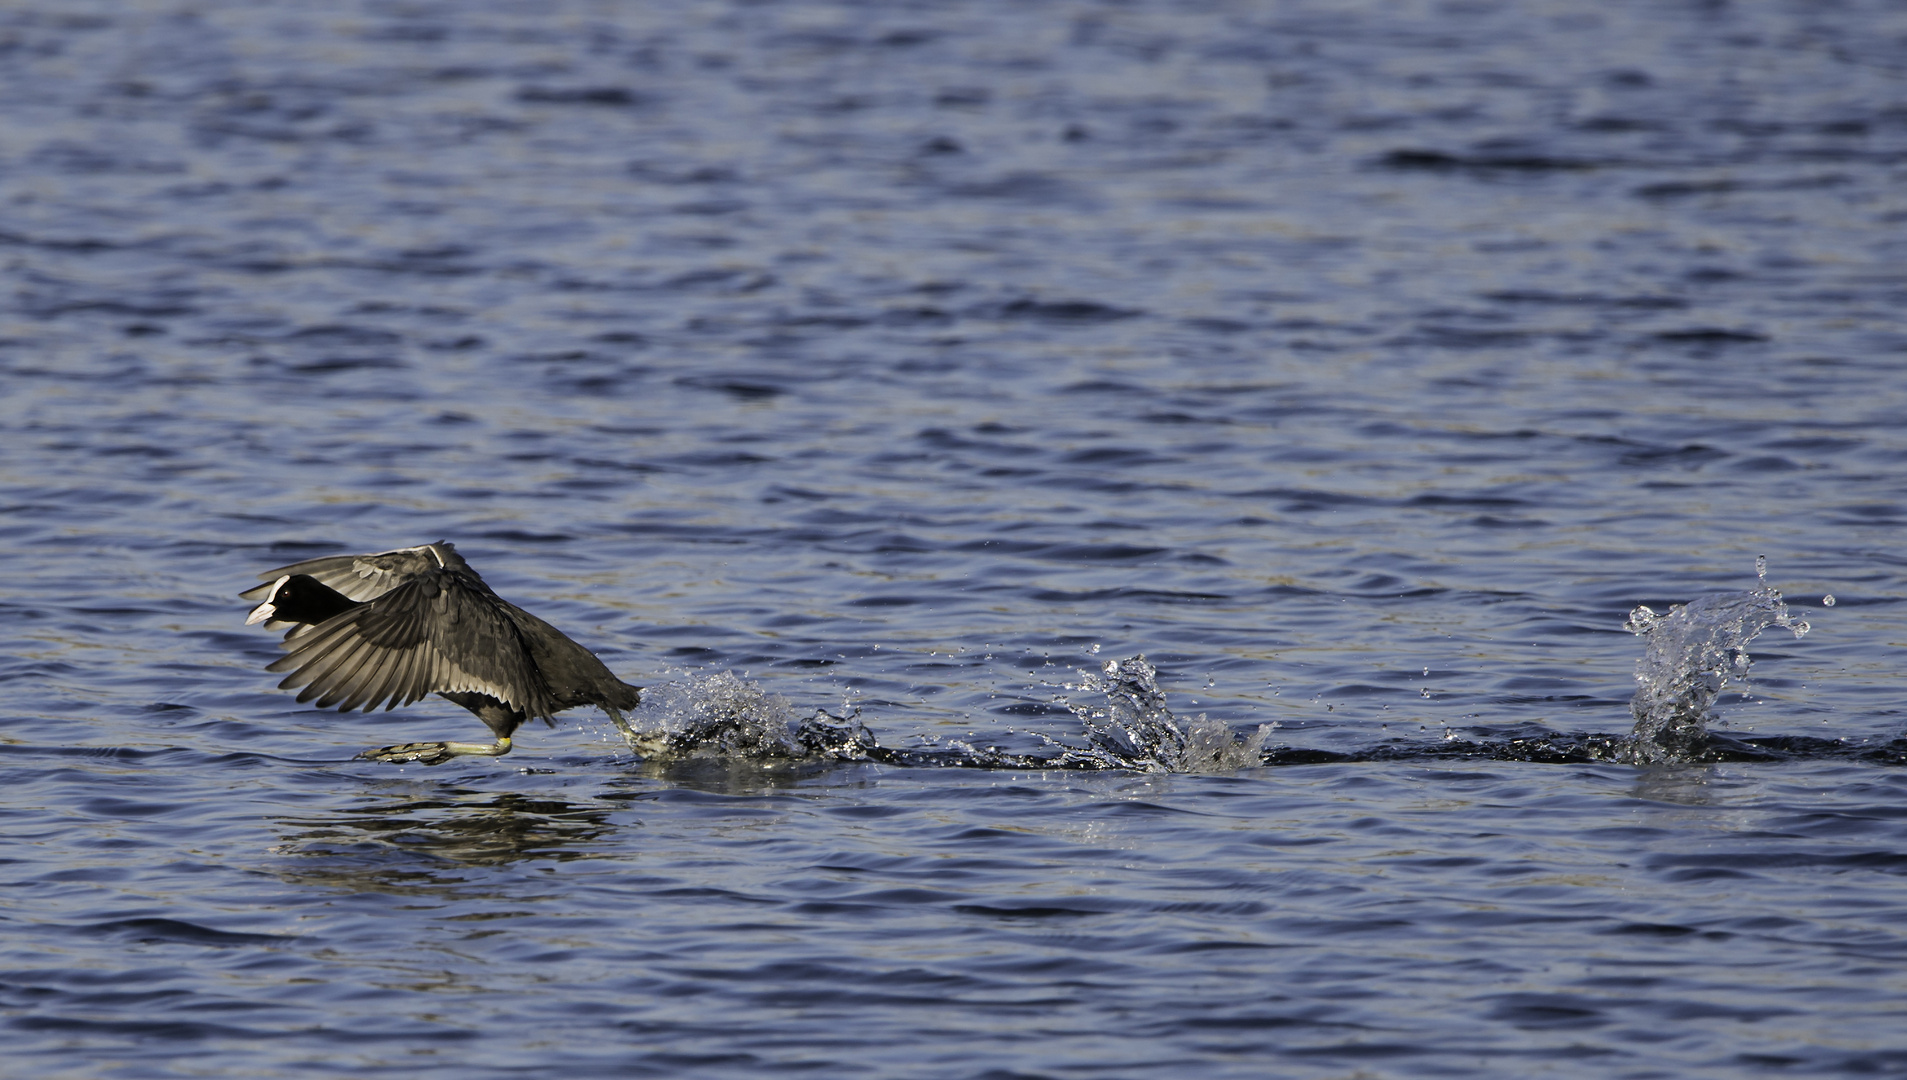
(393, 627)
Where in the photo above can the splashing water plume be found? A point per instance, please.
(1694, 652)
(1135, 730)
(724, 717)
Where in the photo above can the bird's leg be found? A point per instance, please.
(496, 715)
(628, 733)
(436, 753)
(646, 745)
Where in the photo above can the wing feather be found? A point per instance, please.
(321, 680)
(416, 678)
(440, 670)
(307, 665)
(336, 684)
(309, 643)
(372, 684)
(347, 677)
(346, 658)
(382, 681)
(403, 673)
(409, 673)
(367, 680)
(324, 641)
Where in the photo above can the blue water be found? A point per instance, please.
(1361, 366)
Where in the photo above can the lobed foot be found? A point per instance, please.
(435, 753)
(652, 745)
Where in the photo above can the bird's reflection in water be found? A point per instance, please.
(424, 842)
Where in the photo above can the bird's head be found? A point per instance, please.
(300, 598)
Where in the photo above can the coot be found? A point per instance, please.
(389, 628)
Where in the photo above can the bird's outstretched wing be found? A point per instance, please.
(438, 630)
(362, 577)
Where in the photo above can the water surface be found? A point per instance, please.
(1361, 366)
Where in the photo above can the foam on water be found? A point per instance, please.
(1694, 652)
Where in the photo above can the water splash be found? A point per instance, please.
(1694, 652)
(1135, 730)
(723, 717)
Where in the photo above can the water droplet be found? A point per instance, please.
(1095, 647)
(1642, 620)
(1761, 567)
(1426, 693)
(1828, 600)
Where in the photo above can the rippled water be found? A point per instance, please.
(1360, 366)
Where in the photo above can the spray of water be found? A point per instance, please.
(1693, 653)
(1135, 730)
(725, 718)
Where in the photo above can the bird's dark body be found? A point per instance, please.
(390, 628)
